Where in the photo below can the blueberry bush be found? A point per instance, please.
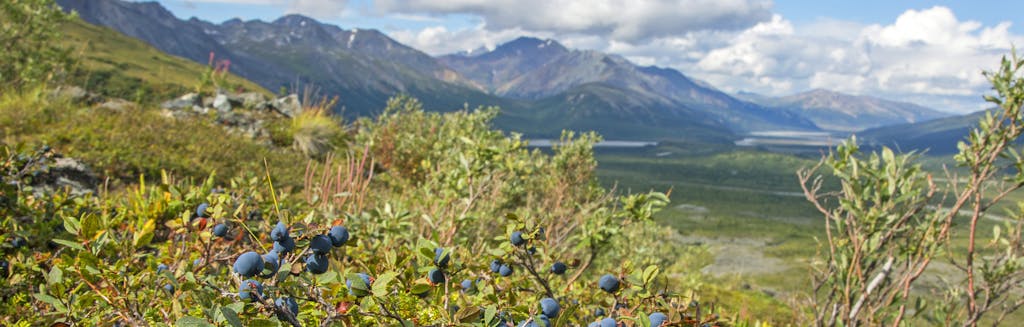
(427, 220)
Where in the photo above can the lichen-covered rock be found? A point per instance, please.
(186, 101)
(67, 173)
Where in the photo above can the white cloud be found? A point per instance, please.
(438, 40)
(927, 56)
(318, 8)
(312, 8)
(635, 21)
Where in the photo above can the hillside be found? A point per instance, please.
(119, 66)
(840, 112)
(938, 137)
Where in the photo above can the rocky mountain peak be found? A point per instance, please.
(296, 21)
(529, 46)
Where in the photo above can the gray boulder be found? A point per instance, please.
(288, 106)
(117, 104)
(249, 99)
(221, 103)
(75, 94)
(67, 173)
(186, 101)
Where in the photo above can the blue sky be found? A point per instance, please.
(929, 52)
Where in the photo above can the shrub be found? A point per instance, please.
(886, 226)
(30, 51)
(109, 248)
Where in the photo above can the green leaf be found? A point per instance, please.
(236, 307)
(72, 225)
(381, 285)
(70, 244)
(56, 276)
(46, 298)
(192, 322)
(90, 226)
(264, 323)
(420, 288)
(145, 234)
(231, 316)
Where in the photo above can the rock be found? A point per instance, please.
(75, 94)
(221, 103)
(67, 173)
(249, 99)
(184, 102)
(117, 104)
(288, 106)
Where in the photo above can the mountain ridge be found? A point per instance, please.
(843, 112)
(535, 69)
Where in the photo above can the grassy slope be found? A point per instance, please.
(116, 65)
(123, 144)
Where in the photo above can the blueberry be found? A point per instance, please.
(271, 262)
(338, 235)
(201, 209)
(542, 321)
(317, 264)
(169, 288)
(220, 230)
(320, 244)
(197, 262)
(441, 261)
(285, 245)
(495, 265)
(505, 270)
(248, 287)
(657, 319)
(160, 268)
(359, 290)
(5, 268)
(538, 321)
(248, 264)
(594, 324)
(467, 285)
(517, 238)
(550, 307)
(18, 242)
(436, 276)
(608, 322)
(558, 268)
(279, 232)
(287, 304)
(599, 312)
(609, 283)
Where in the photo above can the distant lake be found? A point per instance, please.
(546, 143)
(790, 138)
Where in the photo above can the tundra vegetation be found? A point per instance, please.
(415, 218)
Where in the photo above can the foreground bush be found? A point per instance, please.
(437, 220)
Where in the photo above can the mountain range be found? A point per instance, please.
(846, 113)
(541, 86)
